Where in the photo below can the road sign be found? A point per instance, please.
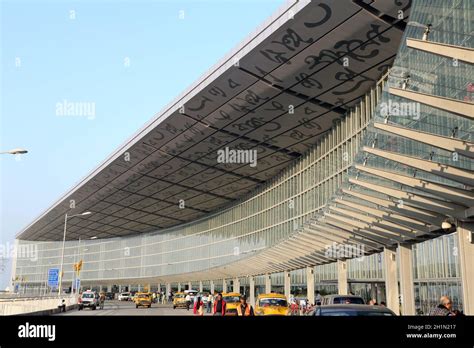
(53, 277)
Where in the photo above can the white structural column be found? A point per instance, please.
(391, 279)
(212, 287)
(310, 284)
(342, 284)
(287, 280)
(168, 289)
(200, 286)
(268, 283)
(179, 287)
(466, 261)
(236, 285)
(406, 279)
(190, 286)
(224, 285)
(252, 290)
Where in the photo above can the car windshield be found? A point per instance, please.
(347, 300)
(266, 302)
(179, 296)
(143, 296)
(125, 294)
(88, 295)
(231, 299)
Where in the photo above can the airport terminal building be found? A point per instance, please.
(332, 150)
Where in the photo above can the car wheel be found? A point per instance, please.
(149, 306)
(93, 308)
(136, 306)
(174, 307)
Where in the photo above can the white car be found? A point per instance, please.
(88, 299)
(124, 296)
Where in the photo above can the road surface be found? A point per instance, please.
(128, 308)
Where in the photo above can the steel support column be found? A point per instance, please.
(465, 233)
(287, 283)
(407, 291)
(342, 284)
(310, 284)
(391, 280)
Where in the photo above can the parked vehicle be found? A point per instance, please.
(179, 300)
(109, 296)
(124, 296)
(341, 299)
(271, 304)
(88, 299)
(142, 299)
(232, 300)
(346, 310)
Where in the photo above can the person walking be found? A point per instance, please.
(318, 298)
(444, 308)
(210, 302)
(198, 307)
(188, 301)
(244, 309)
(219, 305)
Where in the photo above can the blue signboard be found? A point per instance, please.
(77, 286)
(53, 277)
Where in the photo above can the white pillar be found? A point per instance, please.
(391, 279)
(200, 286)
(109, 288)
(224, 286)
(159, 287)
(268, 283)
(236, 285)
(342, 284)
(310, 284)
(168, 289)
(252, 290)
(179, 287)
(212, 287)
(287, 284)
(407, 290)
(190, 286)
(465, 232)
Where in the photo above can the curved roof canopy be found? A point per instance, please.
(277, 93)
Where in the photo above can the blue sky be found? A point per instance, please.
(78, 51)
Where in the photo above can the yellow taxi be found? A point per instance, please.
(142, 299)
(271, 304)
(232, 300)
(179, 300)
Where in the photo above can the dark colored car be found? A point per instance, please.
(109, 295)
(351, 310)
(341, 299)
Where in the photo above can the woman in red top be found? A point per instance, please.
(198, 307)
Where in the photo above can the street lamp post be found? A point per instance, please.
(64, 244)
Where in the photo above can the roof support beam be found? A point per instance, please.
(464, 54)
(463, 176)
(462, 147)
(450, 193)
(442, 207)
(459, 107)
